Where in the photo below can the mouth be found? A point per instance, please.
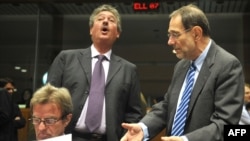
(104, 29)
(175, 50)
(43, 136)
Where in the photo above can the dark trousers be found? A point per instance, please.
(77, 136)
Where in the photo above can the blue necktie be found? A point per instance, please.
(96, 96)
(181, 114)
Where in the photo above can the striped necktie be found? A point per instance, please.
(181, 114)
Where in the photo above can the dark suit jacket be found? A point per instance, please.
(72, 69)
(18, 124)
(216, 99)
(6, 116)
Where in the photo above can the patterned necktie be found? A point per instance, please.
(96, 96)
(181, 114)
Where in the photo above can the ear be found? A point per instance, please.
(118, 35)
(68, 119)
(90, 31)
(197, 33)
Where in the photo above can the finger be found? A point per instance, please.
(163, 138)
(126, 126)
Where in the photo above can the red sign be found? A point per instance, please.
(146, 6)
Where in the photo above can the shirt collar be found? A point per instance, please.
(94, 52)
(199, 61)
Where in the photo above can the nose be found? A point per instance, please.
(170, 41)
(105, 22)
(41, 126)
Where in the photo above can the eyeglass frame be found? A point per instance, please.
(176, 35)
(45, 120)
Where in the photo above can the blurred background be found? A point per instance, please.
(32, 32)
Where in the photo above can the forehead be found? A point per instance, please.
(105, 13)
(175, 24)
(46, 110)
(9, 85)
(247, 88)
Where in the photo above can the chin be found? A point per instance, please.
(43, 137)
(179, 56)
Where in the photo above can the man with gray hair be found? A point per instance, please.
(115, 93)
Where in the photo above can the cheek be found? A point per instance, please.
(114, 29)
(56, 130)
(181, 44)
(188, 44)
(94, 29)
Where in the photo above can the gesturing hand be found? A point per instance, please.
(134, 132)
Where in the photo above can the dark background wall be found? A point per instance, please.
(32, 40)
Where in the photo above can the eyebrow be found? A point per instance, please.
(173, 31)
(45, 117)
(109, 15)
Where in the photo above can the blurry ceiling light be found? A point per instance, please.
(17, 68)
(23, 70)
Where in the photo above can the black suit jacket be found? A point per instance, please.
(72, 69)
(216, 100)
(18, 124)
(6, 116)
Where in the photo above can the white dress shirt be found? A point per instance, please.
(80, 125)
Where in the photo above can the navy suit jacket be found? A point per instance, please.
(72, 69)
(216, 100)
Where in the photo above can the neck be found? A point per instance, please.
(102, 48)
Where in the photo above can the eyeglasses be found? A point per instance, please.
(46, 121)
(176, 35)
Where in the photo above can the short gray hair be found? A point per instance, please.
(106, 7)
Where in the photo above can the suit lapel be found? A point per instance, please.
(199, 84)
(115, 65)
(84, 59)
(180, 78)
(203, 75)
